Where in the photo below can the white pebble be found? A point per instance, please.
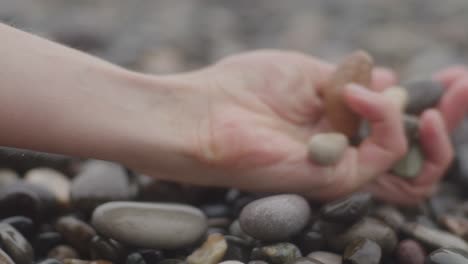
(398, 95)
(327, 148)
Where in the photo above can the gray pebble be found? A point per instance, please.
(15, 245)
(411, 164)
(275, 218)
(347, 210)
(422, 94)
(150, 225)
(327, 148)
(434, 238)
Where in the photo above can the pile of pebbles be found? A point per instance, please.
(97, 212)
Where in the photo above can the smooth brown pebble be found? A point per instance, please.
(410, 252)
(211, 252)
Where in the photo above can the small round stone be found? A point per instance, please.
(311, 240)
(347, 210)
(411, 164)
(277, 253)
(327, 148)
(391, 216)
(76, 232)
(398, 95)
(447, 256)
(8, 177)
(326, 257)
(54, 181)
(362, 251)
(153, 224)
(422, 94)
(211, 252)
(63, 252)
(410, 252)
(275, 218)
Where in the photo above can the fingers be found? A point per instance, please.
(383, 78)
(454, 103)
(449, 76)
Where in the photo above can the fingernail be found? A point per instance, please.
(358, 90)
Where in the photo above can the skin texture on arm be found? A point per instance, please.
(242, 122)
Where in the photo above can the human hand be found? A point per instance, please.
(256, 114)
(436, 124)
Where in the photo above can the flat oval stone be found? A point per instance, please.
(153, 225)
(15, 245)
(275, 218)
(410, 252)
(211, 252)
(99, 182)
(411, 164)
(326, 257)
(369, 228)
(76, 232)
(362, 251)
(447, 256)
(56, 182)
(277, 253)
(4, 258)
(347, 210)
(422, 94)
(327, 148)
(434, 238)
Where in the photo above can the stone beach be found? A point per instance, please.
(64, 210)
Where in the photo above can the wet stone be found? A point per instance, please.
(76, 232)
(107, 249)
(237, 249)
(54, 181)
(275, 218)
(434, 238)
(211, 252)
(152, 224)
(422, 94)
(326, 257)
(348, 210)
(25, 199)
(327, 148)
(5, 259)
(44, 242)
(447, 256)
(410, 252)
(22, 224)
(99, 182)
(280, 253)
(369, 228)
(362, 251)
(411, 164)
(15, 245)
(62, 252)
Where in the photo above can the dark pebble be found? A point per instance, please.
(411, 126)
(422, 94)
(151, 255)
(447, 256)
(215, 210)
(44, 242)
(280, 253)
(410, 252)
(311, 241)
(238, 249)
(15, 245)
(362, 251)
(97, 183)
(63, 252)
(107, 249)
(22, 224)
(347, 210)
(76, 232)
(25, 199)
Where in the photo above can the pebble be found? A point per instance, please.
(54, 181)
(398, 95)
(25, 199)
(447, 256)
(216, 210)
(326, 257)
(275, 218)
(391, 216)
(76, 232)
(211, 252)
(422, 94)
(62, 252)
(99, 182)
(411, 164)
(8, 177)
(411, 126)
(45, 241)
(231, 262)
(153, 225)
(50, 261)
(410, 252)
(15, 245)
(146, 256)
(362, 251)
(327, 148)
(237, 249)
(347, 210)
(455, 224)
(433, 238)
(369, 228)
(305, 261)
(5, 259)
(280, 253)
(311, 240)
(106, 249)
(236, 230)
(22, 224)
